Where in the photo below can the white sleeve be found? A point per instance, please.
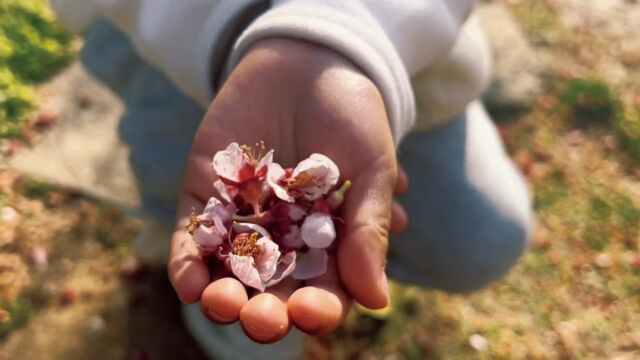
(389, 40)
(179, 37)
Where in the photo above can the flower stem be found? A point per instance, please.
(256, 209)
(246, 218)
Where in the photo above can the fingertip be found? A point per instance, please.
(402, 182)
(223, 299)
(399, 218)
(187, 271)
(316, 310)
(264, 318)
(361, 262)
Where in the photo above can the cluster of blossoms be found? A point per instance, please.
(273, 222)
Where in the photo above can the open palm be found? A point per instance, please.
(299, 99)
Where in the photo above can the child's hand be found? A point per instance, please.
(300, 99)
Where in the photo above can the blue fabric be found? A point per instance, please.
(462, 232)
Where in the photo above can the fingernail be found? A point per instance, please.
(384, 285)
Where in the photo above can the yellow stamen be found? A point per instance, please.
(194, 222)
(246, 244)
(301, 180)
(256, 154)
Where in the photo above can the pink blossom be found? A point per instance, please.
(311, 179)
(318, 230)
(237, 164)
(241, 170)
(256, 260)
(282, 235)
(311, 264)
(211, 228)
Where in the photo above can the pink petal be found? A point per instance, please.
(324, 172)
(266, 160)
(217, 212)
(296, 212)
(286, 265)
(243, 267)
(318, 231)
(227, 163)
(274, 175)
(267, 260)
(207, 238)
(226, 192)
(250, 227)
(292, 239)
(212, 204)
(311, 264)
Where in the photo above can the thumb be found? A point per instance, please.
(363, 249)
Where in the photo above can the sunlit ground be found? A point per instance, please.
(69, 288)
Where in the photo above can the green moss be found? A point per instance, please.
(16, 101)
(596, 237)
(628, 130)
(550, 191)
(19, 313)
(37, 189)
(628, 213)
(590, 101)
(33, 45)
(599, 209)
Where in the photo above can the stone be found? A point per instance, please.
(478, 342)
(81, 149)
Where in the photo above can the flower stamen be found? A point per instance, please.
(246, 244)
(194, 222)
(254, 155)
(301, 180)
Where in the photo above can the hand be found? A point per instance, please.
(299, 99)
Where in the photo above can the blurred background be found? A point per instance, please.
(567, 101)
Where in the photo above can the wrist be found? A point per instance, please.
(293, 63)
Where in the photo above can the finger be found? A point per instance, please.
(223, 299)
(402, 183)
(320, 307)
(264, 318)
(399, 218)
(188, 271)
(362, 250)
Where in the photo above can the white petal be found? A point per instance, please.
(266, 160)
(217, 212)
(324, 172)
(227, 163)
(293, 239)
(223, 190)
(243, 267)
(274, 175)
(311, 264)
(216, 209)
(207, 238)
(267, 260)
(318, 231)
(250, 227)
(285, 267)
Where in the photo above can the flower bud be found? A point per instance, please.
(336, 197)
